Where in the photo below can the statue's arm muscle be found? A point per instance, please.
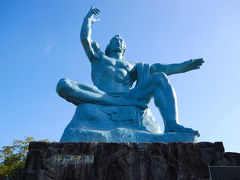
(91, 48)
(168, 69)
(183, 67)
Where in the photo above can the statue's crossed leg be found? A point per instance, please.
(157, 86)
(78, 93)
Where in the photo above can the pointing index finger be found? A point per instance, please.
(199, 59)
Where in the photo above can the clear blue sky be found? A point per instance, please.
(39, 44)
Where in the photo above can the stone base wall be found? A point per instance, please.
(125, 161)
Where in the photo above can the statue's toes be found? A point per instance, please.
(195, 132)
(190, 130)
(180, 128)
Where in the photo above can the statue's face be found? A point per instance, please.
(117, 44)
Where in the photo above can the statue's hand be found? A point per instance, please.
(91, 12)
(192, 64)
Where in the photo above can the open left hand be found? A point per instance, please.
(93, 11)
(193, 64)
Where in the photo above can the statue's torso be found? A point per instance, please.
(112, 75)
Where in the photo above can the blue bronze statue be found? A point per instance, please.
(112, 111)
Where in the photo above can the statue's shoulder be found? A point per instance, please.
(101, 57)
(104, 60)
(104, 56)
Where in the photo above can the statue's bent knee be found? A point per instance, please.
(160, 79)
(62, 85)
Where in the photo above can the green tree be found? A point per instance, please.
(13, 157)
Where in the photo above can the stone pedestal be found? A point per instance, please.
(126, 161)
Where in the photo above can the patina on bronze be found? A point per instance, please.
(111, 110)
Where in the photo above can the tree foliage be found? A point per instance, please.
(13, 157)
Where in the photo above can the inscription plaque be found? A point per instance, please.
(74, 159)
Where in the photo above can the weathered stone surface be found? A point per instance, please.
(134, 161)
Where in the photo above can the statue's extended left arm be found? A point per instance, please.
(183, 67)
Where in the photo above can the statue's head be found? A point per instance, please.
(117, 44)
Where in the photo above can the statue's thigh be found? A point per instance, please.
(86, 87)
(67, 85)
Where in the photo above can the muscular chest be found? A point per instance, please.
(107, 64)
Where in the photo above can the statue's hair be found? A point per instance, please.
(108, 48)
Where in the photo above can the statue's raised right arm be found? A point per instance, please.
(91, 48)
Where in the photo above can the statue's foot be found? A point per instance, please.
(180, 128)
